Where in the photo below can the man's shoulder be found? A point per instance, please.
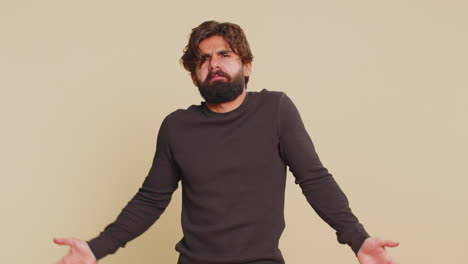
(269, 96)
(278, 100)
(183, 114)
(267, 93)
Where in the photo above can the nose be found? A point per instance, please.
(214, 63)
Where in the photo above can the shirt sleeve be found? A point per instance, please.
(317, 184)
(147, 205)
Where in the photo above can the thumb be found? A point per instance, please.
(389, 243)
(64, 241)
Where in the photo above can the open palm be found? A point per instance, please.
(79, 253)
(373, 251)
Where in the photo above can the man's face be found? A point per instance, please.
(220, 73)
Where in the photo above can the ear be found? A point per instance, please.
(194, 79)
(247, 69)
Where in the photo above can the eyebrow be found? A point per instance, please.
(221, 52)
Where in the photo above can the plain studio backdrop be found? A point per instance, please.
(381, 87)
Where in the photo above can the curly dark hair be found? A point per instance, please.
(232, 34)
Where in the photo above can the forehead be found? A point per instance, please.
(213, 44)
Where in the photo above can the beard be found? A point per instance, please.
(221, 91)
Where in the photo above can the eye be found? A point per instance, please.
(204, 58)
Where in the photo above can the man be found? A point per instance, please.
(231, 154)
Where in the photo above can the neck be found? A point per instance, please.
(227, 106)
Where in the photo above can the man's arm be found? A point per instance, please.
(146, 206)
(317, 184)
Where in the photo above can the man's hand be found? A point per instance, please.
(79, 253)
(373, 251)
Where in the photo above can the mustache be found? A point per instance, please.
(217, 73)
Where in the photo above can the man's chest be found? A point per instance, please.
(231, 152)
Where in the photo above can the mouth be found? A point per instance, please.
(217, 77)
(214, 76)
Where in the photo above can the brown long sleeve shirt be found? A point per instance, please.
(232, 167)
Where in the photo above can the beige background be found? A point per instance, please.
(381, 86)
